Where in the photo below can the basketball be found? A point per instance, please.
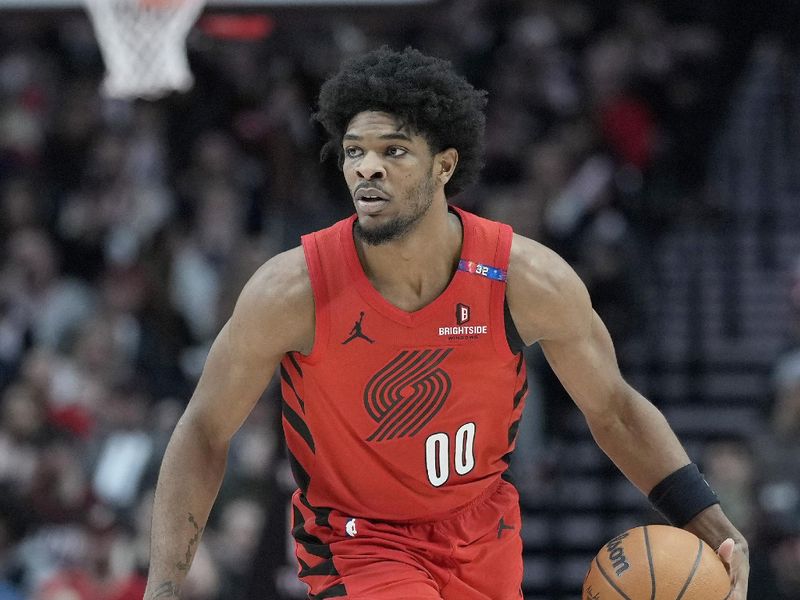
(656, 562)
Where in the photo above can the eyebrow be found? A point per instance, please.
(397, 135)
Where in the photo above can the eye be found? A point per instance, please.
(353, 152)
(396, 151)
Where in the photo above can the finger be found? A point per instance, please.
(725, 550)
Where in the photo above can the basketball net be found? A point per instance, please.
(143, 43)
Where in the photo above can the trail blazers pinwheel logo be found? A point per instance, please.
(407, 393)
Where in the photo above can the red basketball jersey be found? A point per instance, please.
(399, 415)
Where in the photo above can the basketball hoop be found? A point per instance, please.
(143, 43)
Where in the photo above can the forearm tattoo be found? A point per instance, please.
(168, 589)
(190, 549)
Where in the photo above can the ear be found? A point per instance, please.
(444, 164)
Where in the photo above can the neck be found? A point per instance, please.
(415, 269)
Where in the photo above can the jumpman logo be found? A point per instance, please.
(502, 525)
(356, 332)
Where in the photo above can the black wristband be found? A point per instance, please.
(683, 494)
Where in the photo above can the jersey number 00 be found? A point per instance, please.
(437, 454)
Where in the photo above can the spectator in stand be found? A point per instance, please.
(597, 135)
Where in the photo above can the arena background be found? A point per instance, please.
(656, 145)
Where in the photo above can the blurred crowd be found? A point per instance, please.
(127, 230)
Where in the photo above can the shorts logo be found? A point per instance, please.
(407, 393)
(501, 526)
(350, 528)
(462, 313)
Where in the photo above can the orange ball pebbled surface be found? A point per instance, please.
(656, 562)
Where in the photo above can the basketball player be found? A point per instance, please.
(398, 333)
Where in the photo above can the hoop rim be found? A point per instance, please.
(143, 44)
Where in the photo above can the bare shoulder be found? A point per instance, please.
(546, 297)
(275, 311)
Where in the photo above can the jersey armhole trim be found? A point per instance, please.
(514, 339)
(499, 306)
(320, 292)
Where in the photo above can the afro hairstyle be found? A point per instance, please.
(423, 92)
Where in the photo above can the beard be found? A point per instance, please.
(419, 198)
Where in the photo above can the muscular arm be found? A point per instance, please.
(549, 304)
(273, 315)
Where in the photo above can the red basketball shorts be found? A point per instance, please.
(473, 554)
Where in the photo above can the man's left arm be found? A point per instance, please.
(550, 304)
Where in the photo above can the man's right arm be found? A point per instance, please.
(274, 315)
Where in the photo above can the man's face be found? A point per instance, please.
(389, 171)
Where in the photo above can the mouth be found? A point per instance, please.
(370, 206)
(370, 194)
(370, 200)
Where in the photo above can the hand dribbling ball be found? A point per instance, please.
(656, 562)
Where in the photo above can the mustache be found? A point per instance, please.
(368, 185)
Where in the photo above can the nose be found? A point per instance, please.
(371, 167)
